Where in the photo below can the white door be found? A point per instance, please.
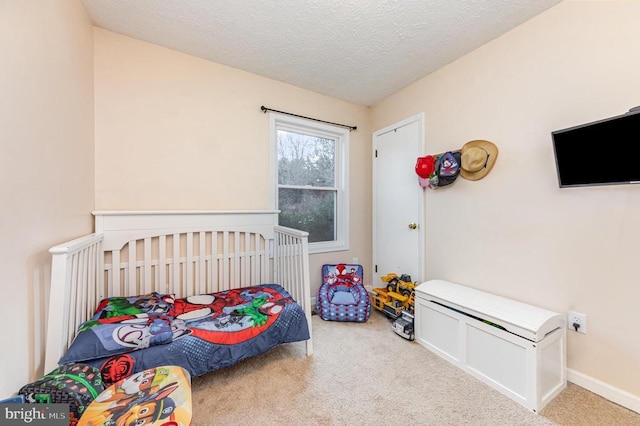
(398, 225)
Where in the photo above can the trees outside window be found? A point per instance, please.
(310, 182)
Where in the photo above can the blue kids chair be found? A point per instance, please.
(342, 295)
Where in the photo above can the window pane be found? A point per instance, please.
(305, 160)
(310, 210)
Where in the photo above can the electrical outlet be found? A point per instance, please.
(578, 318)
(355, 261)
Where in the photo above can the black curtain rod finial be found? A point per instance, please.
(264, 109)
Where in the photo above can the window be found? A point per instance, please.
(309, 180)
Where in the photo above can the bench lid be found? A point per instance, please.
(528, 321)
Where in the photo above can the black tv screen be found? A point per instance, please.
(603, 152)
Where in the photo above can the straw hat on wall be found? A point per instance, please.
(478, 158)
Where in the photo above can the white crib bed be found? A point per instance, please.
(184, 253)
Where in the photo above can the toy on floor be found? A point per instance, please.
(397, 300)
(402, 285)
(403, 326)
(397, 296)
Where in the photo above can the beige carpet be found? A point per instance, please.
(365, 374)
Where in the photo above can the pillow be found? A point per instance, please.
(343, 298)
(150, 304)
(106, 337)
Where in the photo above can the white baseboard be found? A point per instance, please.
(620, 397)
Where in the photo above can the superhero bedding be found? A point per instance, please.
(200, 333)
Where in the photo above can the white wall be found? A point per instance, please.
(177, 132)
(46, 165)
(515, 232)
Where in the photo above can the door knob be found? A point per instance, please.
(413, 225)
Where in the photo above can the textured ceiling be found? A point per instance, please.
(360, 51)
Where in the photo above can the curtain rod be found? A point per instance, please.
(351, 128)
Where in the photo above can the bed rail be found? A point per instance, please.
(291, 268)
(183, 253)
(77, 286)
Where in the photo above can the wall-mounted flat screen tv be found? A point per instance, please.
(603, 152)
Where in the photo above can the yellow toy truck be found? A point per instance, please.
(397, 296)
(402, 285)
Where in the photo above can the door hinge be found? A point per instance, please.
(376, 153)
(376, 269)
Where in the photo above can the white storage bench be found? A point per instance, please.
(516, 348)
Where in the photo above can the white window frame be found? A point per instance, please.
(341, 136)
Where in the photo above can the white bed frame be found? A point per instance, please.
(178, 252)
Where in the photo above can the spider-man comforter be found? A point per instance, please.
(199, 333)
